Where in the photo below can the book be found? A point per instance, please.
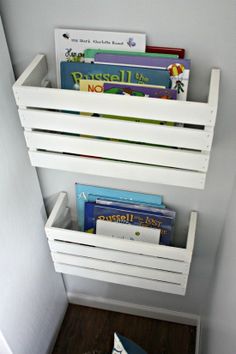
(94, 212)
(139, 90)
(89, 54)
(72, 72)
(138, 206)
(123, 345)
(85, 193)
(128, 231)
(97, 86)
(71, 43)
(126, 88)
(179, 52)
(179, 69)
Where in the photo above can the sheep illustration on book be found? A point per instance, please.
(131, 42)
(176, 73)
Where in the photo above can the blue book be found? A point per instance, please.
(94, 212)
(85, 193)
(138, 206)
(73, 72)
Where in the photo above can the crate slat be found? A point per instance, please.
(177, 158)
(129, 171)
(107, 242)
(121, 279)
(127, 106)
(119, 256)
(116, 267)
(117, 129)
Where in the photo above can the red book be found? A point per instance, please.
(165, 50)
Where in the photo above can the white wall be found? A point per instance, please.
(32, 296)
(207, 30)
(219, 320)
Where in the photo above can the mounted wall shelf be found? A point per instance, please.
(58, 139)
(132, 263)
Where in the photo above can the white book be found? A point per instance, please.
(128, 231)
(71, 43)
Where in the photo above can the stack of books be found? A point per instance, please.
(123, 214)
(119, 63)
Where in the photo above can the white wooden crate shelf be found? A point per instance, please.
(136, 264)
(60, 139)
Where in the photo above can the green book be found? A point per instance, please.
(89, 54)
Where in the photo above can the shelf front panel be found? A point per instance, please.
(127, 106)
(111, 243)
(116, 150)
(121, 279)
(119, 268)
(114, 255)
(197, 139)
(114, 169)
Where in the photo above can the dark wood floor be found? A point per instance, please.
(86, 329)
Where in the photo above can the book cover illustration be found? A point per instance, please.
(94, 212)
(89, 54)
(72, 73)
(71, 43)
(139, 90)
(85, 193)
(179, 69)
(128, 231)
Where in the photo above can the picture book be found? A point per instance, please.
(97, 86)
(71, 43)
(139, 90)
(138, 206)
(128, 231)
(94, 212)
(85, 193)
(179, 69)
(179, 52)
(89, 54)
(71, 73)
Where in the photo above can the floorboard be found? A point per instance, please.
(86, 329)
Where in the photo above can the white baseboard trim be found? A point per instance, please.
(133, 309)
